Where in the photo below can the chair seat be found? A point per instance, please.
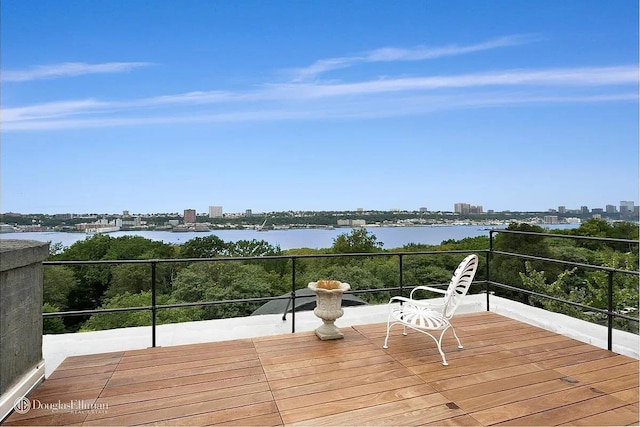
(419, 317)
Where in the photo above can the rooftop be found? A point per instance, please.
(58, 347)
(509, 372)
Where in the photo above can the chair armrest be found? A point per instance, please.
(410, 301)
(428, 288)
(400, 299)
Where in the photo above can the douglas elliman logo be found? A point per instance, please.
(24, 404)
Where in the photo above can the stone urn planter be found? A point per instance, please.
(328, 306)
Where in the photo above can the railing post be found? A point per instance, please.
(401, 276)
(488, 270)
(486, 282)
(293, 295)
(153, 304)
(610, 313)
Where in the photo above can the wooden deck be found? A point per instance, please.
(509, 373)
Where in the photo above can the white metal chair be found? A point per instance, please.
(427, 317)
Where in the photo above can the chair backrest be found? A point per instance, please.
(459, 285)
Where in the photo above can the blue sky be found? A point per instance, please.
(158, 106)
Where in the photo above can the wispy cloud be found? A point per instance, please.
(380, 107)
(420, 53)
(371, 98)
(68, 69)
(590, 77)
(50, 110)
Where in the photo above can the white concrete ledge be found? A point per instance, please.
(623, 342)
(21, 388)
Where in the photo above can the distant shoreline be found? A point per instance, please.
(294, 238)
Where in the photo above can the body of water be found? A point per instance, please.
(391, 237)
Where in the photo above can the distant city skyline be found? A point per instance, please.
(311, 106)
(218, 211)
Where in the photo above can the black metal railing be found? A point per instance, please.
(400, 289)
(609, 312)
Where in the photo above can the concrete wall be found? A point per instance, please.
(21, 275)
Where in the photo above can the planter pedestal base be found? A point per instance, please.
(328, 331)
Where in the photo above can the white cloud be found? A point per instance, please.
(367, 108)
(191, 98)
(68, 69)
(322, 66)
(364, 99)
(230, 117)
(49, 110)
(593, 76)
(420, 53)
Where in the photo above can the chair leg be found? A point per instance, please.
(457, 339)
(439, 344)
(386, 339)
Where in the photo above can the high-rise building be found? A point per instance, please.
(189, 216)
(562, 209)
(610, 209)
(466, 209)
(626, 206)
(462, 208)
(473, 209)
(215, 211)
(584, 209)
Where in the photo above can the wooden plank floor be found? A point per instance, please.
(509, 373)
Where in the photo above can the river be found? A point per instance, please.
(391, 237)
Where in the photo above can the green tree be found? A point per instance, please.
(593, 227)
(259, 248)
(92, 281)
(625, 286)
(137, 247)
(468, 243)
(625, 230)
(52, 325)
(357, 276)
(204, 247)
(131, 278)
(92, 248)
(192, 282)
(239, 282)
(596, 227)
(507, 269)
(99, 322)
(218, 281)
(135, 278)
(58, 281)
(56, 248)
(252, 248)
(359, 240)
(561, 288)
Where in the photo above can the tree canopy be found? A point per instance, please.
(84, 287)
